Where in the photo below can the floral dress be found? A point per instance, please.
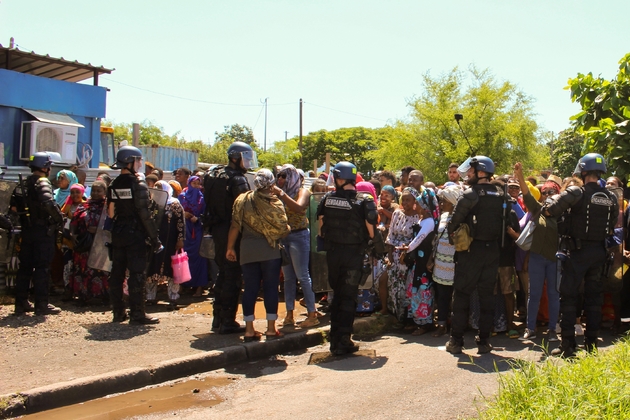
(400, 233)
(85, 282)
(420, 286)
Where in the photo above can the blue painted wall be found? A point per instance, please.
(84, 103)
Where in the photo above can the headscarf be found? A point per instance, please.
(177, 188)
(323, 176)
(60, 195)
(263, 213)
(192, 199)
(412, 191)
(389, 189)
(68, 203)
(264, 179)
(164, 186)
(552, 186)
(367, 187)
(429, 202)
(293, 181)
(451, 193)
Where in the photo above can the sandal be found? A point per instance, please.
(441, 330)
(288, 321)
(513, 334)
(275, 336)
(309, 322)
(419, 331)
(251, 338)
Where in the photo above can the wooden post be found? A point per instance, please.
(327, 167)
(315, 167)
(136, 134)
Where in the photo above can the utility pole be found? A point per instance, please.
(285, 135)
(265, 138)
(301, 158)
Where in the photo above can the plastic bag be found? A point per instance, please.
(181, 270)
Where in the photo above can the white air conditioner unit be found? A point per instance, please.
(45, 137)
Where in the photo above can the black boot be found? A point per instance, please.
(454, 345)
(22, 307)
(229, 326)
(566, 349)
(216, 323)
(590, 344)
(120, 315)
(345, 346)
(45, 308)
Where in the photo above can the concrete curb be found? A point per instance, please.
(92, 387)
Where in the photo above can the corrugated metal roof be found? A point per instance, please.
(47, 66)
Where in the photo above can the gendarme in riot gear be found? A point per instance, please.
(481, 208)
(347, 221)
(222, 185)
(590, 213)
(40, 218)
(134, 236)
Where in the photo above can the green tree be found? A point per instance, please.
(604, 119)
(498, 122)
(231, 133)
(565, 151)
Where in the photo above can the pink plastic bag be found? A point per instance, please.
(181, 270)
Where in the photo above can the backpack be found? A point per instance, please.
(215, 191)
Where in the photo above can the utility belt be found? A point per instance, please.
(569, 243)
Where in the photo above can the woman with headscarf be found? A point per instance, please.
(171, 234)
(65, 179)
(420, 286)
(399, 237)
(177, 188)
(194, 206)
(87, 283)
(296, 200)
(260, 217)
(72, 203)
(443, 264)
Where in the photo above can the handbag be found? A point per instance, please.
(181, 270)
(83, 242)
(462, 238)
(524, 240)
(207, 248)
(284, 254)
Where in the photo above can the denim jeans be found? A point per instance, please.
(298, 246)
(267, 273)
(540, 268)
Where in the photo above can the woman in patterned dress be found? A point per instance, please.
(400, 234)
(171, 235)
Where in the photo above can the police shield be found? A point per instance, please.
(98, 258)
(6, 238)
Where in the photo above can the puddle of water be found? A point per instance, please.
(161, 399)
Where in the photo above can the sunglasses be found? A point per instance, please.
(548, 192)
(284, 176)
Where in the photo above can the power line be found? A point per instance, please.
(345, 112)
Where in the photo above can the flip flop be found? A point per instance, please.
(275, 336)
(252, 338)
(513, 334)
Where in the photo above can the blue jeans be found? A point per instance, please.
(267, 273)
(540, 268)
(298, 246)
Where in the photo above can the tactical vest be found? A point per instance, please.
(121, 194)
(25, 198)
(218, 195)
(590, 218)
(344, 222)
(487, 214)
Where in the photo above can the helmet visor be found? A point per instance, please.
(463, 168)
(249, 159)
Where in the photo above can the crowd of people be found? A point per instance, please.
(475, 249)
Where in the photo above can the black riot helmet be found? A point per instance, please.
(478, 163)
(242, 151)
(591, 162)
(125, 156)
(345, 171)
(41, 160)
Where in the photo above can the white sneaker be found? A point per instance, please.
(579, 330)
(552, 336)
(528, 335)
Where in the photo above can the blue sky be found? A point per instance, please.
(197, 66)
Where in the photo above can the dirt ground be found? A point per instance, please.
(37, 350)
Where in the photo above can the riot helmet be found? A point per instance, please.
(591, 162)
(41, 160)
(345, 171)
(125, 156)
(478, 163)
(242, 151)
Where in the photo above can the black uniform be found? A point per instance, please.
(134, 235)
(221, 188)
(594, 211)
(481, 207)
(346, 238)
(40, 216)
